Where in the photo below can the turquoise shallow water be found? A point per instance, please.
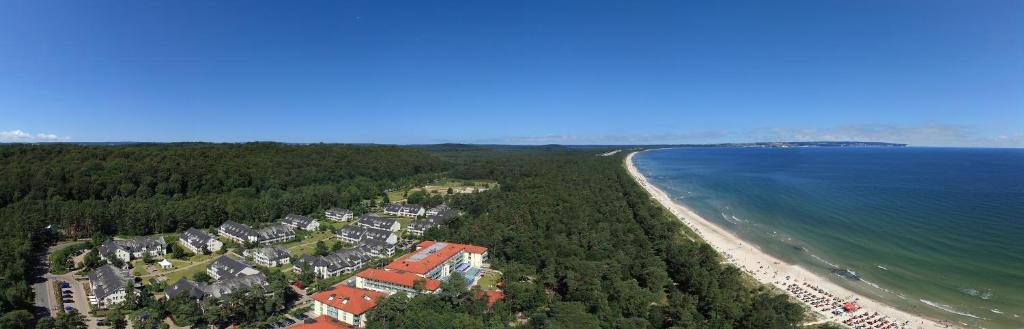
(934, 231)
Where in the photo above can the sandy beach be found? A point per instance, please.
(820, 294)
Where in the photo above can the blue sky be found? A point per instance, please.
(521, 72)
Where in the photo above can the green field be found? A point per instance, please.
(308, 245)
(185, 269)
(441, 186)
(489, 281)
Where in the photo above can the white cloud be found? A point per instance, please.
(21, 136)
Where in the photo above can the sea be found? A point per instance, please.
(933, 231)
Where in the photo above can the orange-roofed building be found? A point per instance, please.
(394, 282)
(346, 304)
(322, 322)
(490, 296)
(438, 260)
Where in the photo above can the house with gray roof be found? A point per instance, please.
(268, 256)
(242, 233)
(185, 286)
(404, 210)
(108, 285)
(355, 234)
(370, 221)
(126, 250)
(274, 234)
(442, 211)
(339, 214)
(217, 289)
(229, 285)
(300, 222)
(226, 267)
(377, 248)
(419, 227)
(237, 232)
(199, 241)
(339, 262)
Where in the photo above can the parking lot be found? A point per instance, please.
(72, 295)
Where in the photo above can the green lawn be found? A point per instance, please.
(308, 245)
(185, 269)
(489, 281)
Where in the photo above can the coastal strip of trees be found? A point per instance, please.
(582, 245)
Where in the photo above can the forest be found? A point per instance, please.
(581, 245)
(96, 190)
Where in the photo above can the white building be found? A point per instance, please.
(300, 222)
(339, 214)
(126, 250)
(268, 256)
(225, 267)
(370, 221)
(345, 304)
(108, 285)
(404, 210)
(199, 242)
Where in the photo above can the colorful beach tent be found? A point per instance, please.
(849, 307)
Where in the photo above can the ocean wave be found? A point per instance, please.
(986, 295)
(881, 267)
(949, 309)
(996, 311)
(876, 286)
(824, 261)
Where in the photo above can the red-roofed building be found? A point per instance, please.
(322, 322)
(438, 260)
(394, 281)
(490, 296)
(346, 304)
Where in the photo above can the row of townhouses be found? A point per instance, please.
(108, 284)
(127, 250)
(339, 214)
(231, 275)
(268, 256)
(242, 233)
(199, 242)
(337, 263)
(404, 210)
(436, 217)
(300, 222)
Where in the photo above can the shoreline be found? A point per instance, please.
(812, 290)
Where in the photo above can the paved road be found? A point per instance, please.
(46, 301)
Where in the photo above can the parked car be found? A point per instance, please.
(69, 301)
(65, 285)
(68, 308)
(102, 322)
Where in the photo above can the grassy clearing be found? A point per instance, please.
(441, 187)
(489, 281)
(308, 244)
(187, 268)
(139, 268)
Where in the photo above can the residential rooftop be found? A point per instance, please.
(430, 254)
(352, 300)
(401, 278)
